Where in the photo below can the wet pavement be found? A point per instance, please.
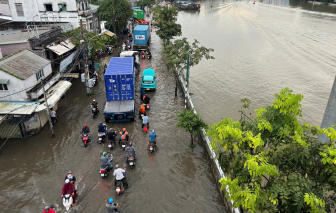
(175, 178)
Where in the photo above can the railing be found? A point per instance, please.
(205, 138)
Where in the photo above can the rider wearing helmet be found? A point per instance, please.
(94, 104)
(105, 161)
(123, 135)
(86, 130)
(111, 135)
(47, 209)
(68, 188)
(146, 99)
(71, 177)
(130, 151)
(110, 206)
(142, 110)
(102, 128)
(152, 138)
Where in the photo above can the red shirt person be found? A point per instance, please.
(68, 188)
(48, 210)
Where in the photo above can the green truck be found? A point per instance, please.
(138, 14)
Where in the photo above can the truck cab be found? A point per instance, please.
(148, 80)
(136, 57)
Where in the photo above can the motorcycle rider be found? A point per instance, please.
(146, 99)
(142, 54)
(123, 135)
(95, 105)
(145, 121)
(71, 177)
(105, 161)
(142, 110)
(102, 128)
(130, 151)
(111, 207)
(152, 138)
(120, 173)
(68, 188)
(47, 209)
(86, 130)
(111, 135)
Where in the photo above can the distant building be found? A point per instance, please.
(18, 13)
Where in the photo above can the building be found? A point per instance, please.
(19, 13)
(22, 101)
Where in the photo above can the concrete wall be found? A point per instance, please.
(215, 167)
(30, 10)
(8, 49)
(16, 85)
(4, 9)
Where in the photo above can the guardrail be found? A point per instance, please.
(216, 169)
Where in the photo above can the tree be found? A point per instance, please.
(177, 52)
(273, 162)
(120, 9)
(145, 3)
(165, 21)
(191, 123)
(96, 42)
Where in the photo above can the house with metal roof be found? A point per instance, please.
(20, 73)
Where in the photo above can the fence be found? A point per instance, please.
(215, 167)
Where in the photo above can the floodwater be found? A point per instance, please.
(176, 178)
(260, 49)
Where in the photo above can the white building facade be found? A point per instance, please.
(53, 11)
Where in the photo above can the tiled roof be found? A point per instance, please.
(23, 64)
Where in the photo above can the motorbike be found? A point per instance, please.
(111, 144)
(152, 147)
(149, 56)
(94, 112)
(118, 54)
(85, 139)
(104, 171)
(143, 56)
(119, 187)
(110, 50)
(67, 201)
(101, 137)
(147, 106)
(123, 144)
(95, 78)
(131, 161)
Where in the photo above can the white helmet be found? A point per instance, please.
(67, 181)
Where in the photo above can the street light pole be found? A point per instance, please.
(48, 109)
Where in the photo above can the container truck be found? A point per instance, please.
(141, 37)
(138, 14)
(120, 85)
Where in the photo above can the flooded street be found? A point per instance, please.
(259, 50)
(176, 178)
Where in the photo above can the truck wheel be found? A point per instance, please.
(132, 119)
(106, 120)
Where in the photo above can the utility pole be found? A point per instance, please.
(48, 110)
(83, 44)
(187, 82)
(114, 26)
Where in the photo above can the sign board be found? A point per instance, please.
(96, 66)
(69, 75)
(67, 61)
(139, 37)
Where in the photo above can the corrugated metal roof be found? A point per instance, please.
(120, 66)
(17, 107)
(62, 48)
(56, 92)
(23, 64)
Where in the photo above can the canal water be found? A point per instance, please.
(176, 178)
(259, 49)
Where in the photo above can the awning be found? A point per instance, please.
(54, 94)
(4, 81)
(109, 33)
(62, 48)
(17, 107)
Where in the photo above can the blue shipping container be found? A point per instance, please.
(120, 79)
(141, 34)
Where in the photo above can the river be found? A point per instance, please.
(260, 49)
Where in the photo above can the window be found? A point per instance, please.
(39, 75)
(3, 87)
(91, 27)
(48, 7)
(19, 9)
(62, 7)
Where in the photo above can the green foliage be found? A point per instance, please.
(144, 3)
(122, 10)
(191, 123)
(273, 162)
(177, 52)
(95, 43)
(165, 22)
